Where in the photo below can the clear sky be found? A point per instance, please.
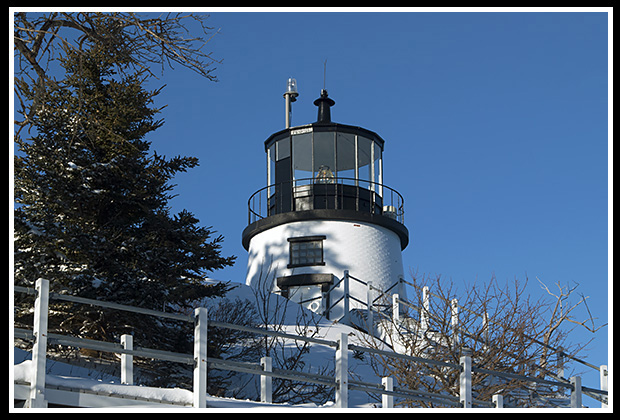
(495, 129)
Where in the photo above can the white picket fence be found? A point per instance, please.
(375, 295)
(340, 381)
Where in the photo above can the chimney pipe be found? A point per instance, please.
(324, 103)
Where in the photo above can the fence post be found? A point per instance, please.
(498, 400)
(387, 401)
(266, 390)
(465, 379)
(604, 385)
(575, 395)
(345, 298)
(39, 348)
(454, 321)
(127, 360)
(200, 358)
(426, 305)
(485, 329)
(561, 362)
(342, 371)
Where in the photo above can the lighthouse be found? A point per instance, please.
(326, 231)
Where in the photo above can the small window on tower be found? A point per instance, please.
(307, 250)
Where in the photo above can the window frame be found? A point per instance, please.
(305, 239)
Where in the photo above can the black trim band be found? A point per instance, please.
(266, 223)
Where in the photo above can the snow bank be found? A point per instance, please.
(22, 373)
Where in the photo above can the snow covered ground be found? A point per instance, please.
(69, 376)
(177, 396)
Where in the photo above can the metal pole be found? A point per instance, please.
(200, 358)
(498, 400)
(287, 104)
(39, 349)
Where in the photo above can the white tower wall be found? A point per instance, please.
(371, 253)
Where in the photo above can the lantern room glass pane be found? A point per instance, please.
(324, 148)
(377, 163)
(302, 156)
(378, 169)
(364, 146)
(283, 149)
(271, 158)
(345, 157)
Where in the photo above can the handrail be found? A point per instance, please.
(260, 201)
(109, 305)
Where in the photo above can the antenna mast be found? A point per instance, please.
(324, 72)
(290, 96)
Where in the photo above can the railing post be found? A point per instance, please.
(342, 371)
(39, 348)
(387, 401)
(345, 298)
(266, 390)
(370, 316)
(498, 400)
(127, 360)
(397, 343)
(604, 385)
(465, 379)
(575, 395)
(200, 358)
(395, 309)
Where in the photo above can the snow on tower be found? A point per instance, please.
(325, 210)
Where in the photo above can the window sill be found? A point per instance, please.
(304, 265)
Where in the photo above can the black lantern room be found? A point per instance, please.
(325, 169)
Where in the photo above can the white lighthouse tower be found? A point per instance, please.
(326, 231)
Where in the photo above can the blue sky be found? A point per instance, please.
(496, 131)
(495, 128)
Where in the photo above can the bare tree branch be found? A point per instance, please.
(138, 42)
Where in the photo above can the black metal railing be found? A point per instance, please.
(326, 193)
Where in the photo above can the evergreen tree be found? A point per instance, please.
(92, 211)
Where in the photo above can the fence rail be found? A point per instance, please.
(340, 381)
